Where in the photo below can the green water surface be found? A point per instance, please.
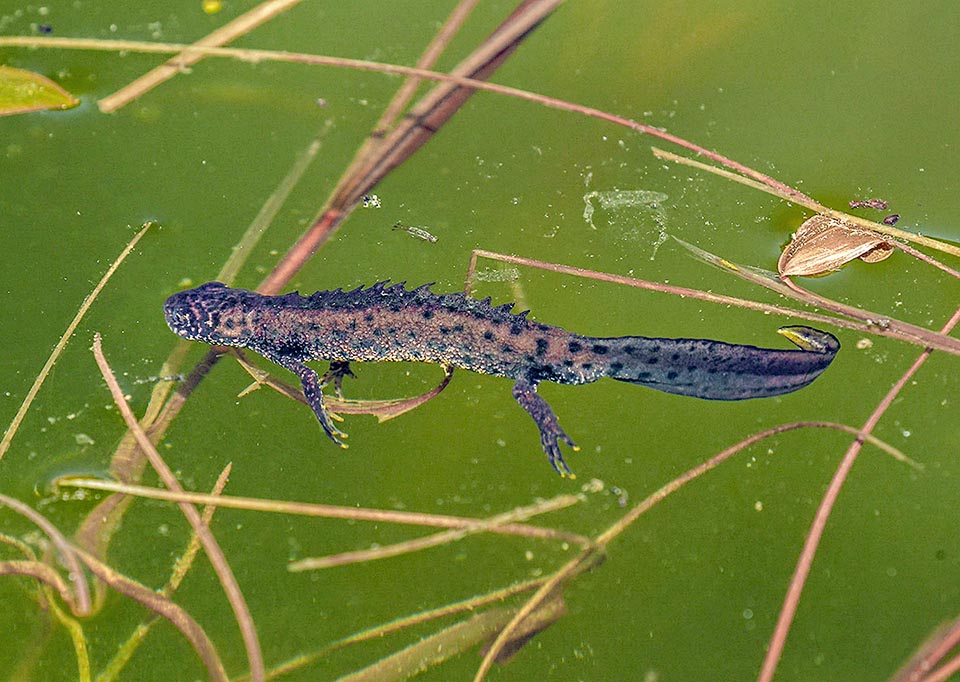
(843, 101)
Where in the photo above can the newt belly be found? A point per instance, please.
(385, 323)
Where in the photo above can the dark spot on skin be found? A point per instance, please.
(395, 307)
(488, 336)
(496, 323)
(653, 360)
(516, 330)
(542, 345)
(643, 376)
(444, 330)
(506, 349)
(368, 317)
(575, 347)
(671, 376)
(377, 331)
(615, 367)
(392, 331)
(568, 363)
(691, 368)
(352, 325)
(587, 365)
(229, 324)
(675, 357)
(629, 350)
(543, 327)
(427, 314)
(600, 349)
(528, 359)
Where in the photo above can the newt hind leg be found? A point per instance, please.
(525, 393)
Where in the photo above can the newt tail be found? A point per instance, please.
(391, 323)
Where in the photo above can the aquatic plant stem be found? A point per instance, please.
(805, 561)
(64, 340)
(242, 25)
(211, 547)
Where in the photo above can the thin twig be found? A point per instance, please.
(83, 605)
(242, 25)
(805, 561)
(214, 553)
(64, 340)
(319, 510)
(184, 562)
(586, 559)
(437, 539)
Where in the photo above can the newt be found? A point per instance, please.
(390, 323)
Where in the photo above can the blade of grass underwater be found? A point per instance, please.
(184, 562)
(210, 545)
(454, 640)
(65, 339)
(399, 548)
(328, 511)
(471, 605)
(804, 563)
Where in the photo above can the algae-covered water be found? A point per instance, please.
(842, 101)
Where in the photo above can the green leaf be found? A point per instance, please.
(24, 91)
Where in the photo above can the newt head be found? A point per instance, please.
(212, 313)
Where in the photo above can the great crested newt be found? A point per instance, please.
(385, 323)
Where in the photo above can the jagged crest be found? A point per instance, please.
(384, 294)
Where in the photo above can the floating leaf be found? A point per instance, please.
(24, 91)
(824, 243)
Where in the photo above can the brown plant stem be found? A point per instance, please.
(242, 25)
(211, 547)
(805, 561)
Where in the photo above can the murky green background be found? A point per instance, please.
(842, 101)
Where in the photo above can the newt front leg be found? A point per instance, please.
(313, 392)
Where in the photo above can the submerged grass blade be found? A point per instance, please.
(320, 510)
(397, 549)
(64, 340)
(455, 640)
(161, 605)
(214, 553)
(125, 651)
